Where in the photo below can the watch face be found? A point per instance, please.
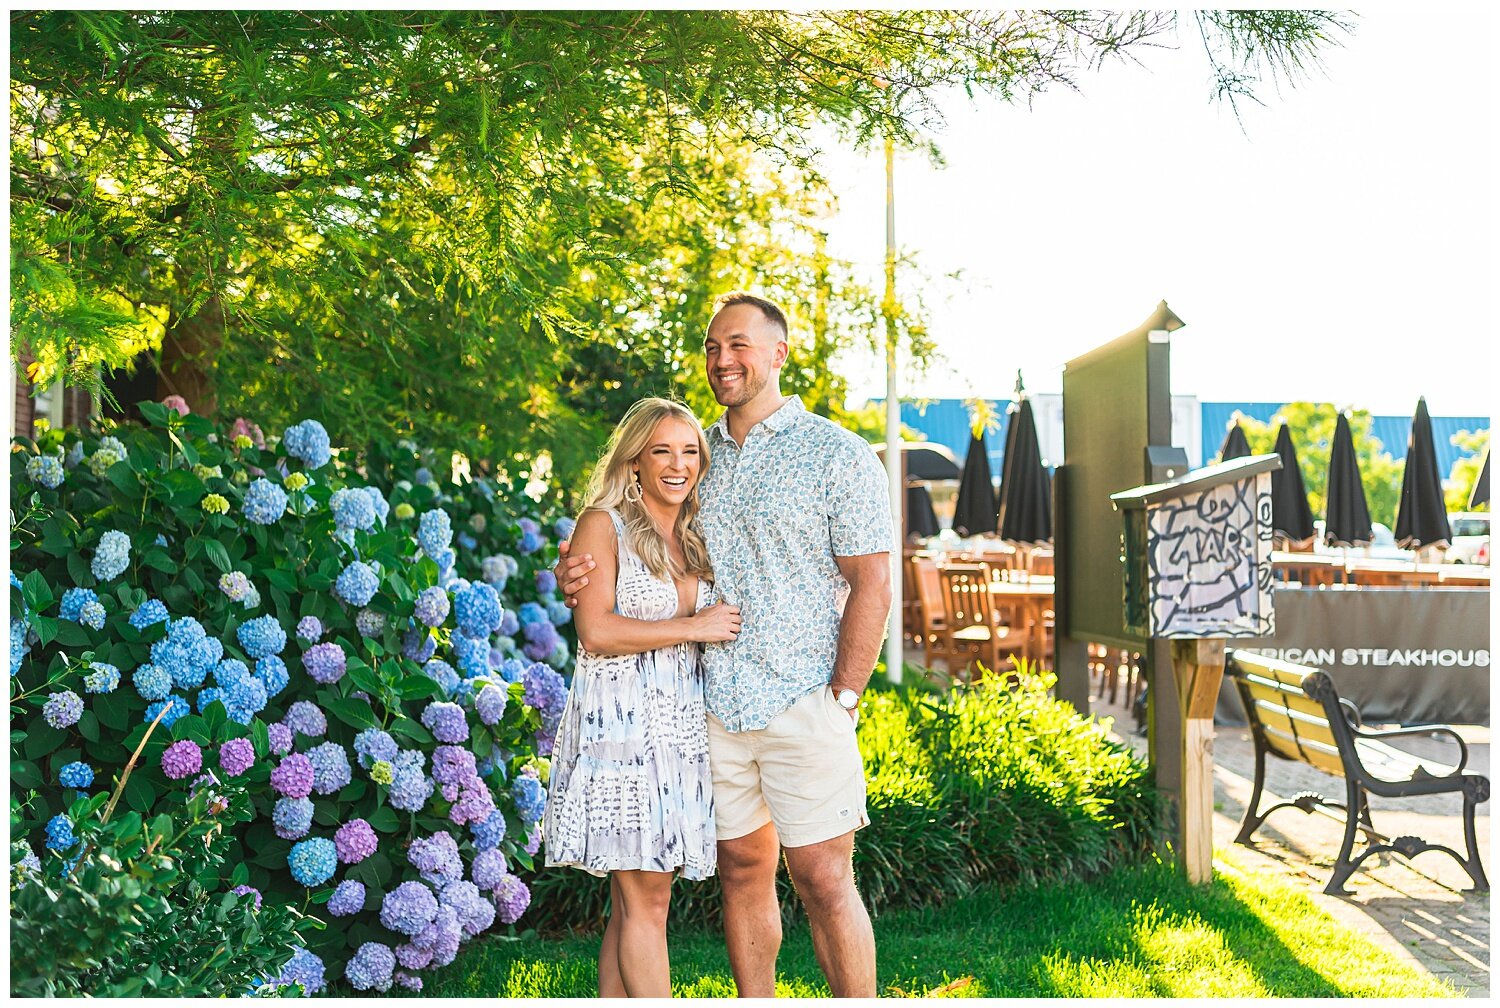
(848, 699)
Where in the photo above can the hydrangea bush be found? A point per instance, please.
(378, 669)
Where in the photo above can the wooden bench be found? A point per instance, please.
(1296, 713)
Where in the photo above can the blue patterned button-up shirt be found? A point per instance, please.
(775, 513)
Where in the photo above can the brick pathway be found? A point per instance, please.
(1416, 909)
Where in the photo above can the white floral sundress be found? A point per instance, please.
(630, 781)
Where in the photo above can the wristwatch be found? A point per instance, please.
(847, 698)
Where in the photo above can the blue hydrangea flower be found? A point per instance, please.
(308, 441)
(489, 833)
(559, 613)
(102, 677)
(408, 908)
(312, 862)
(378, 502)
(306, 969)
(357, 583)
(265, 502)
(423, 475)
(434, 532)
(492, 569)
(410, 787)
(245, 699)
(531, 542)
(60, 833)
(546, 582)
(46, 470)
(175, 707)
(473, 655)
(206, 697)
(151, 682)
(262, 636)
(467, 541)
(477, 610)
(19, 648)
(63, 709)
(330, 767)
(92, 615)
(530, 798)
(73, 601)
(512, 670)
(292, 817)
(374, 744)
(148, 612)
(564, 528)
(432, 606)
(272, 673)
(510, 623)
(230, 671)
(76, 775)
(353, 509)
(111, 557)
(533, 612)
(490, 704)
(348, 898)
(310, 629)
(417, 644)
(371, 967)
(187, 631)
(369, 622)
(441, 673)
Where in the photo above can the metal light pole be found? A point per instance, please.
(893, 459)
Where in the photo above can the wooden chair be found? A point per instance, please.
(1040, 563)
(931, 613)
(974, 631)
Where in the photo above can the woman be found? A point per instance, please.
(632, 796)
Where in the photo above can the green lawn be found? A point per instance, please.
(1139, 932)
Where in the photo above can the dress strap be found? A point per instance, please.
(623, 552)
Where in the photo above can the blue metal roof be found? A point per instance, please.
(946, 421)
(1390, 431)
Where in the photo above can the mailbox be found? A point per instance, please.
(1197, 552)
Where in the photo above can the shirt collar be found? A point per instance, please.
(787, 414)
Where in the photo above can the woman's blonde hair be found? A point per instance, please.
(612, 477)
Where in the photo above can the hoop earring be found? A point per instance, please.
(635, 485)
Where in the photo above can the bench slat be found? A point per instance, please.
(1319, 754)
(1290, 695)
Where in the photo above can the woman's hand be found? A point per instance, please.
(715, 624)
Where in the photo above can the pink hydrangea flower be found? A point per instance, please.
(182, 759)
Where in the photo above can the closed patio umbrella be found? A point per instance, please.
(921, 520)
(1291, 518)
(925, 461)
(1235, 446)
(1347, 519)
(1481, 492)
(1422, 516)
(1025, 493)
(976, 510)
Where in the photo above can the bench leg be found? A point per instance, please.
(1355, 810)
(1472, 866)
(1251, 821)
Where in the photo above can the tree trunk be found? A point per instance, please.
(188, 353)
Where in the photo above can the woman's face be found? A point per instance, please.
(670, 464)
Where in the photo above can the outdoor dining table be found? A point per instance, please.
(1031, 597)
(1315, 569)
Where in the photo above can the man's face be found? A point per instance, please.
(742, 352)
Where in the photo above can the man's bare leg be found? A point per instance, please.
(842, 937)
(752, 916)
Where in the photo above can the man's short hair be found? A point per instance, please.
(769, 309)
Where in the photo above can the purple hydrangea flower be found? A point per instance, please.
(452, 764)
(244, 890)
(182, 759)
(546, 582)
(310, 628)
(443, 674)
(236, 756)
(64, 708)
(446, 721)
(487, 868)
(408, 908)
(407, 981)
(355, 841)
(325, 662)
(436, 858)
(306, 969)
(490, 704)
(293, 776)
(432, 606)
(348, 898)
(280, 738)
(292, 817)
(417, 644)
(369, 622)
(305, 717)
(511, 899)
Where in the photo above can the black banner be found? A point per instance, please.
(1408, 656)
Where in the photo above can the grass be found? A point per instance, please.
(1137, 932)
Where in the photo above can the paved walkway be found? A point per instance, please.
(1416, 909)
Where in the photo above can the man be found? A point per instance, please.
(797, 518)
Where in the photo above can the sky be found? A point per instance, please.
(1335, 244)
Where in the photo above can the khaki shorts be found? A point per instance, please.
(802, 771)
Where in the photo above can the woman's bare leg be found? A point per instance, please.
(641, 909)
(610, 983)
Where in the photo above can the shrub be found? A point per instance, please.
(271, 637)
(986, 783)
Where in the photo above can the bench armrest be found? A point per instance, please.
(1463, 749)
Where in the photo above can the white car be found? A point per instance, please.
(1471, 530)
